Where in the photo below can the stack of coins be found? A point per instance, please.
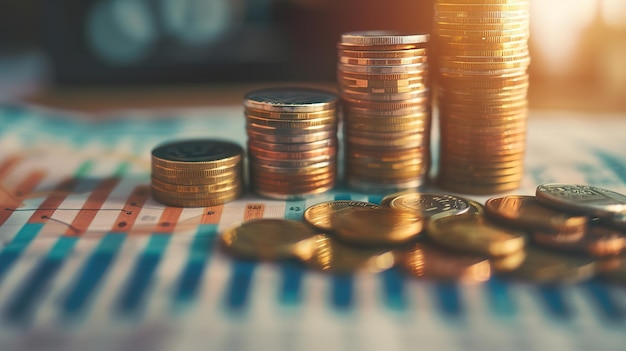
(382, 79)
(194, 173)
(482, 51)
(292, 141)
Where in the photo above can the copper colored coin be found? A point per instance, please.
(474, 234)
(527, 212)
(331, 256)
(377, 226)
(321, 215)
(426, 260)
(596, 241)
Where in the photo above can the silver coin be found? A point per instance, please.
(585, 199)
(291, 100)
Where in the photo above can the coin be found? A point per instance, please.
(204, 153)
(377, 226)
(291, 99)
(543, 267)
(596, 241)
(197, 172)
(427, 204)
(508, 263)
(334, 257)
(585, 199)
(426, 260)
(269, 239)
(474, 234)
(373, 38)
(321, 215)
(528, 213)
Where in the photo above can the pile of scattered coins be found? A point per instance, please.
(482, 61)
(292, 141)
(194, 173)
(564, 234)
(383, 82)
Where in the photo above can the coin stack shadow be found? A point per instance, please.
(482, 59)
(197, 173)
(292, 141)
(382, 79)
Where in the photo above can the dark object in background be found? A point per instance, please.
(155, 41)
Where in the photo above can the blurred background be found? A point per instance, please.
(84, 52)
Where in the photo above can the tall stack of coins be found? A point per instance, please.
(482, 91)
(382, 79)
(292, 141)
(195, 173)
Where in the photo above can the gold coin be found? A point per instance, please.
(301, 147)
(269, 239)
(334, 257)
(388, 105)
(290, 155)
(596, 241)
(209, 200)
(370, 69)
(377, 226)
(379, 47)
(528, 213)
(393, 97)
(369, 90)
(383, 62)
(196, 177)
(302, 184)
(200, 188)
(290, 115)
(468, 39)
(384, 76)
(508, 263)
(549, 267)
(426, 260)
(486, 53)
(262, 136)
(480, 66)
(321, 215)
(197, 154)
(460, 18)
(373, 83)
(374, 37)
(287, 124)
(523, 6)
(382, 54)
(317, 168)
(474, 234)
(427, 204)
(286, 130)
(523, 25)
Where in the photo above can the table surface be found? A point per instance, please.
(72, 277)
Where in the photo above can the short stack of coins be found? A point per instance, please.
(292, 141)
(382, 78)
(482, 60)
(197, 173)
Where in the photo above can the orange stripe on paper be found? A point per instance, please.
(91, 207)
(126, 219)
(53, 201)
(212, 215)
(8, 165)
(169, 219)
(25, 187)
